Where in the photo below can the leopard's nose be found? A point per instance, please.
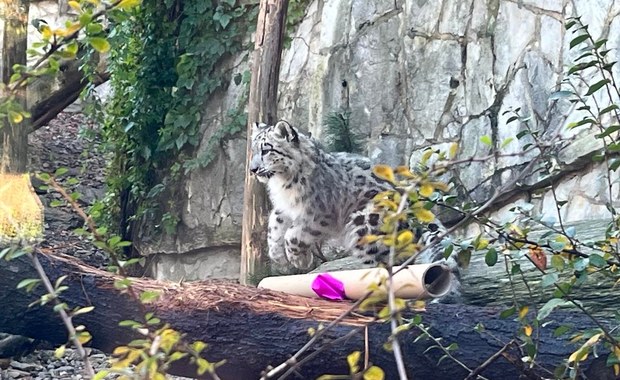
(254, 168)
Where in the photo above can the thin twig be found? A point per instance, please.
(445, 351)
(476, 372)
(323, 347)
(294, 360)
(66, 319)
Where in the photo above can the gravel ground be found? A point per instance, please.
(59, 144)
(42, 365)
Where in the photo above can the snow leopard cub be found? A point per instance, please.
(319, 196)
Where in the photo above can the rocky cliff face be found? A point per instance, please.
(414, 74)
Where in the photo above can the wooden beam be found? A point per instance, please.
(262, 107)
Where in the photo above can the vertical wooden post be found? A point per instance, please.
(262, 107)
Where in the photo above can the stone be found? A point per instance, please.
(479, 85)
(422, 15)
(473, 174)
(211, 263)
(551, 31)
(433, 84)
(455, 17)
(26, 367)
(514, 31)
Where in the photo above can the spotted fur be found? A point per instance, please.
(319, 196)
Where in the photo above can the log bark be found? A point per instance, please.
(253, 328)
(262, 107)
(14, 137)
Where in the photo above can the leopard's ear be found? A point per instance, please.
(256, 128)
(285, 131)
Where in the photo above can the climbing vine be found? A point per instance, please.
(165, 64)
(167, 61)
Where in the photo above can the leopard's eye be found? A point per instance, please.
(265, 149)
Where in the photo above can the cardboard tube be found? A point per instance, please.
(414, 281)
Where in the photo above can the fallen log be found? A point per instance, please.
(73, 83)
(255, 328)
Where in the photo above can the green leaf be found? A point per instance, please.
(596, 86)
(149, 296)
(609, 130)
(491, 257)
(560, 95)
(557, 262)
(581, 66)
(56, 203)
(507, 313)
(506, 141)
(84, 310)
(100, 44)
(486, 140)
(548, 279)
(28, 283)
(577, 40)
(607, 109)
(560, 330)
(547, 308)
(597, 261)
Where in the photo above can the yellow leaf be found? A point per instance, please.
(353, 358)
(579, 355)
(100, 44)
(523, 312)
(388, 204)
(84, 337)
(482, 244)
(384, 172)
(426, 190)
(75, 5)
(404, 171)
(419, 305)
(454, 147)
(374, 373)
(424, 216)
(367, 239)
(69, 30)
(126, 4)
(101, 375)
(46, 32)
(426, 155)
(120, 350)
(16, 117)
(404, 238)
(616, 369)
(527, 329)
(59, 352)
(440, 186)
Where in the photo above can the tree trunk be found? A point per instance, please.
(263, 102)
(14, 138)
(255, 328)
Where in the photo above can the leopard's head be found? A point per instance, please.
(275, 150)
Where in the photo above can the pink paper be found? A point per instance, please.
(328, 287)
